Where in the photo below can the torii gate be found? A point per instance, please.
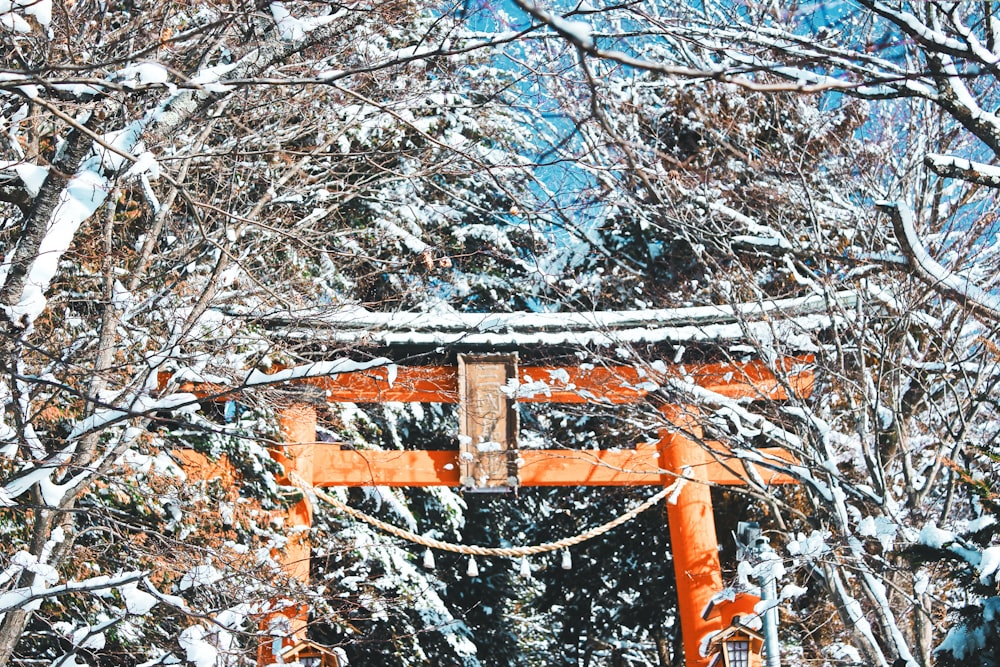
(679, 451)
(691, 520)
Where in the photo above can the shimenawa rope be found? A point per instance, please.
(473, 550)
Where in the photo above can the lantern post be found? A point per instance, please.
(753, 546)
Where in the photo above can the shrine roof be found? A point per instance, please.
(788, 320)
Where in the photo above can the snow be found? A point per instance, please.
(146, 165)
(200, 575)
(789, 591)
(385, 495)
(88, 637)
(881, 528)
(22, 560)
(844, 653)
(410, 240)
(121, 142)
(810, 547)
(935, 537)
(936, 272)
(14, 23)
(579, 32)
(981, 523)
(760, 241)
(559, 375)
(34, 474)
(130, 406)
(980, 168)
(601, 328)
(144, 74)
(989, 565)
(40, 9)
(137, 603)
(208, 78)
(292, 29)
(82, 196)
(318, 369)
(81, 90)
(31, 597)
(68, 660)
(197, 650)
(963, 641)
(527, 388)
(31, 175)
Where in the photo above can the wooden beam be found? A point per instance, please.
(333, 466)
(551, 384)
(412, 384)
(574, 384)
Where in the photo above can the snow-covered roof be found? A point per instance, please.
(789, 320)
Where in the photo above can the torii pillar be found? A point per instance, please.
(297, 422)
(691, 521)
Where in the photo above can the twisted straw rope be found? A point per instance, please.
(472, 550)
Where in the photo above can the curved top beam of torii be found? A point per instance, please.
(677, 454)
(728, 322)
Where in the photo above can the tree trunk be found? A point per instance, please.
(16, 620)
(36, 222)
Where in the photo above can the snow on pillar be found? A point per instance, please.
(693, 540)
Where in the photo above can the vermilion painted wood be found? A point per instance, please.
(691, 521)
(298, 426)
(333, 466)
(572, 384)
(566, 384)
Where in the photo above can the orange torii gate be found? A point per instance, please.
(679, 452)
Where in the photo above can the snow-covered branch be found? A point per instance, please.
(945, 282)
(32, 596)
(950, 166)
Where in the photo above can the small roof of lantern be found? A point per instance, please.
(735, 630)
(310, 649)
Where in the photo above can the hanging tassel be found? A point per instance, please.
(473, 570)
(428, 559)
(525, 568)
(567, 560)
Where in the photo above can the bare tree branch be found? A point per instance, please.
(945, 282)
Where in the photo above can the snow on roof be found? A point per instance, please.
(786, 319)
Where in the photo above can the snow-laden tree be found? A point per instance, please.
(187, 186)
(896, 447)
(170, 173)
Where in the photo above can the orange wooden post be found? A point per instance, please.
(693, 541)
(298, 429)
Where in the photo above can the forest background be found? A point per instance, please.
(187, 186)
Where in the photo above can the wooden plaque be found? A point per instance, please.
(488, 422)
